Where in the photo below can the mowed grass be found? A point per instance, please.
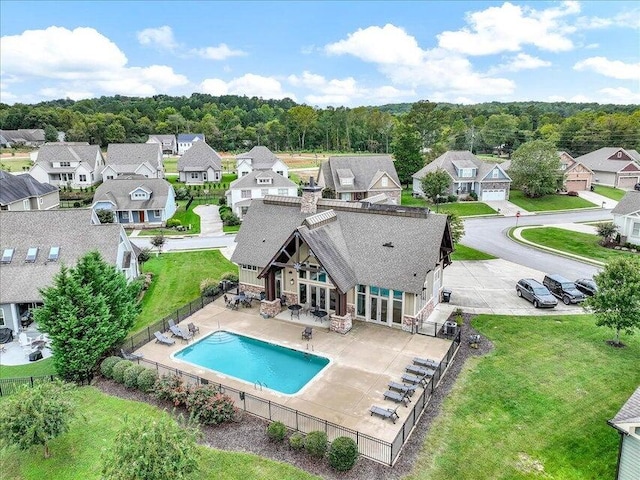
(15, 165)
(578, 243)
(176, 281)
(463, 252)
(186, 217)
(31, 369)
(463, 209)
(540, 400)
(548, 202)
(77, 453)
(170, 164)
(609, 192)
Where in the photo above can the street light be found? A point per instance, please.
(437, 202)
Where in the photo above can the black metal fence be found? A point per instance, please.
(11, 385)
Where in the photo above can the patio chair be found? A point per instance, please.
(307, 333)
(426, 362)
(193, 329)
(415, 379)
(402, 388)
(397, 397)
(385, 412)
(160, 338)
(306, 308)
(130, 356)
(178, 332)
(426, 372)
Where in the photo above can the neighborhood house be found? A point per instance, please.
(133, 159)
(257, 184)
(626, 216)
(200, 164)
(168, 143)
(72, 165)
(612, 166)
(23, 192)
(187, 140)
(627, 423)
(28, 137)
(260, 158)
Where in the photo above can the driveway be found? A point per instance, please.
(506, 208)
(210, 221)
(598, 199)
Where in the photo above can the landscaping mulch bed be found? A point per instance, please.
(248, 435)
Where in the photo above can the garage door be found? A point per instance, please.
(627, 182)
(488, 195)
(576, 185)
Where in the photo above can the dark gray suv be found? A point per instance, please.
(563, 289)
(536, 293)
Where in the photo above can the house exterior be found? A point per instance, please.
(200, 164)
(577, 176)
(354, 178)
(168, 143)
(23, 192)
(260, 158)
(133, 159)
(626, 216)
(73, 165)
(186, 141)
(137, 201)
(468, 173)
(355, 260)
(613, 166)
(627, 423)
(257, 184)
(29, 137)
(36, 243)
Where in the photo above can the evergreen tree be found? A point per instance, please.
(406, 148)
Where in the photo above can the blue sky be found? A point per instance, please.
(323, 53)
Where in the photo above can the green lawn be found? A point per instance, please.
(230, 228)
(548, 202)
(609, 192)
(410, 201)
(170, 164)
(15, 165)
(31, 369)
(176, 281)
(186, 217)
(463, 209)
(467, 253)
(583, 244)
(77, 453)
(541, 398)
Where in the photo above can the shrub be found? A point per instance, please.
(173, 222)
(222, 201)
(343, 454)
(77, 204)
(147, 380)
(223, 209)
(171, 388)
(130, 376)
(230, 277)
(572, 194)
(208, 287)
(118, 370)
(276, 431)
(182, 193)
(452, 198)
(315, 444)
(208, 406)
(106, 367)
(473, 195)
(87, 201)
(230, 220)
(296, 441)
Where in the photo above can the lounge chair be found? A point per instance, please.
(397, 397)
(415, 379)
(402, 388)
(307, 333)
(385, 412)
(160, 338)
(425, 362)
(426, 372)
(178, 332)
(193, 329)
(171, 323)
(130, 356)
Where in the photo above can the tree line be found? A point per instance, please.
(235, 123)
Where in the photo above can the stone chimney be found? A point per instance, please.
(310, 195)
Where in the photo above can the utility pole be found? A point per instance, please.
(473, 136)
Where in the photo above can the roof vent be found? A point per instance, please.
(388, 244)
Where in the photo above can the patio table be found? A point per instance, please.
(319, 314)
(295, 310)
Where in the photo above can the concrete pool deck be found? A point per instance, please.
(362, 363)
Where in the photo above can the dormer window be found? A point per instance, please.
(54, 253)
(346, 181)
(7, 255)
(265, 181)
(65, 164)
(619, 154)
(384, 181)
(32, 254)
(495, 173)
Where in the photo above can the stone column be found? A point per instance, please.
(341, 324)
(270, 308)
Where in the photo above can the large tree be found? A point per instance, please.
(88, 311)
(535, 169)
(303, 118)
(616, 304)
(435, 184)
(406, 149)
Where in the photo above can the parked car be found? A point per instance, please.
(586, 286)
(536, 293)
(637, 187)
(563, 289)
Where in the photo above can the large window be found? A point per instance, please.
(283, 191)
(195, 175)
(264, 192)
(361, 300)
(245, 193)
(635, 231)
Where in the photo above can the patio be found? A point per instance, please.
(13, 353)
(363, 362)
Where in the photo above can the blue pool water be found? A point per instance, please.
(283, 369)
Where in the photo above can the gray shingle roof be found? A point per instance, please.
(189, 137)
(630, 411)
(261, 158)
(71, 230)
(200, 156)
(250, 180)
(464, 159)
(119, 189)
(598, 159)
(123, 155)
(24, 135)
(350, 247)
(84, 153)
(18, 187)
(630, 203)
(364, 168)
(170, 139)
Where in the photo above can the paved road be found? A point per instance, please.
(489, 235)
(188, 243)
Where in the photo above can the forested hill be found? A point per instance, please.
(233, 123)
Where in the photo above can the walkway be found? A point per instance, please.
(506, 208)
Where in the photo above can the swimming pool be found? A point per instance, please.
(279, 368)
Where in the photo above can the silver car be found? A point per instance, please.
(536, 293)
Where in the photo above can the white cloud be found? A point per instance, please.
(62, 93)
(620, 95)
(386, 45)
(592, 46)
(250, 84)
(610, 68)
(161, 37)
(221, 52)
(519, 62)
(628, 19)
(510, 27)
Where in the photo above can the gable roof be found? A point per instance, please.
(118, 192)
(629, 413)
(190, 137)
(89, 156)
(18, 187)
(463, 159)
(126, 157)
(70, 229)
(251, 180)
(164, 138)
(365, 169)
(261, 158)
(629, 204)
(349, 239)
(598, 160)
(23, 135)
(199, 157)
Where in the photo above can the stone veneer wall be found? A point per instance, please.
(291, 298)
(341, 324)
(410, 323)
(245, 287)
(270, 308)
(394, 196)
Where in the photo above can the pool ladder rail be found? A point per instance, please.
(312, 349)
(261, 384)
